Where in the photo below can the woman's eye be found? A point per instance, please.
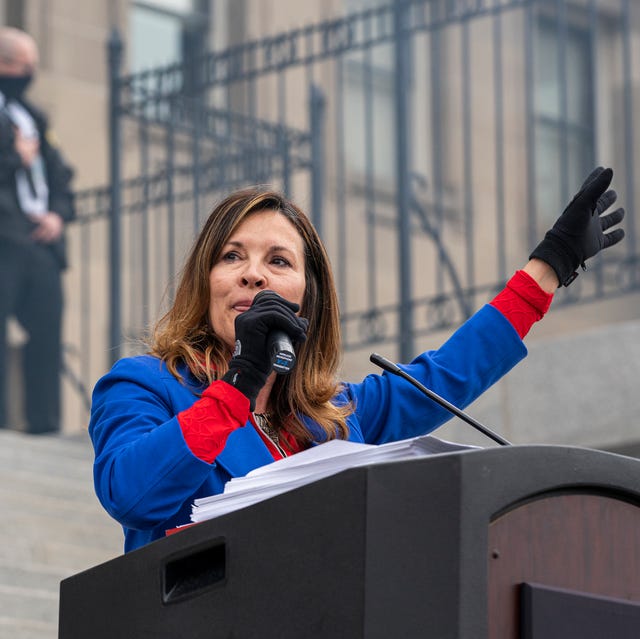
(230, 256)
(280, 261)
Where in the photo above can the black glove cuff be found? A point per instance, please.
(246, 378)
(559, 256)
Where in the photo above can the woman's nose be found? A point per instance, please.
(253, 276)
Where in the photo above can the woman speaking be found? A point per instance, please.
(205, 405)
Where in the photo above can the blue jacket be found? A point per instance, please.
(147, 478)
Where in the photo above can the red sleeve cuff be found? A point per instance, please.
(522, 302)
(207, 424)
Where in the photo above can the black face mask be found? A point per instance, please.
(13, 86)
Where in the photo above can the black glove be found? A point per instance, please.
(578, 233)
(251, 363)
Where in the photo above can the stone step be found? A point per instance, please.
(21, 505)
(34, 604)
(37, 576)
(52, 527)
(15, 628)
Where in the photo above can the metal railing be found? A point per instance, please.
(419, 135)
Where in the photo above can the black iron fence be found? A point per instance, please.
(431, 141)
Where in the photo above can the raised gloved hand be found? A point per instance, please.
(251, 362)
(578, 233)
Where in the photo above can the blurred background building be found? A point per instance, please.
(432, 142)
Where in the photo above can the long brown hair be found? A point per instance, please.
(184, 335)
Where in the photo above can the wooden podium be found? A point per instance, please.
(521, 542)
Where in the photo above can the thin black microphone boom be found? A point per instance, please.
(390, 367)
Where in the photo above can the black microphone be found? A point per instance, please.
(279, 346)
(280, 349)
(385, 364)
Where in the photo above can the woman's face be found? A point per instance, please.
(265, 252)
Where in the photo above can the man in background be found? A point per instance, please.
(35, 203)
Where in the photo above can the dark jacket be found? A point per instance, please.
(14, 225)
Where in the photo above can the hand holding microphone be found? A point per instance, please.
(265, 335)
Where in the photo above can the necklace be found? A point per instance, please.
(264, 424)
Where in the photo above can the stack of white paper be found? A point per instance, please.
(311, 465)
